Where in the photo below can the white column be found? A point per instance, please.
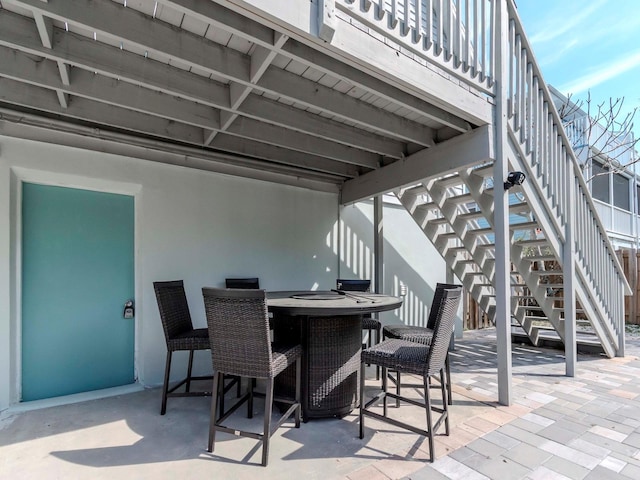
(327, 21)
(459, 324)
(569, 276)
(378, 241)
(8, 393)
(501, 210)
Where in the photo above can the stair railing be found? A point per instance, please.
(458, 36)
(537, 129)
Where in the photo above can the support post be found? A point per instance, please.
(501, 209)
(633, 273)
(569, 277)
(378, 241)
(459, 323)
(327, 21)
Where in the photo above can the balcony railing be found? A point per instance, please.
(455, 35)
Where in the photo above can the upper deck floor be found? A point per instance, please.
(313, 94)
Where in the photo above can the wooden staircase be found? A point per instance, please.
(557, 244)
(456, 213)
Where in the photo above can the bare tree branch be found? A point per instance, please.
(605, 131)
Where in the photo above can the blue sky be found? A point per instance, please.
(587, 45)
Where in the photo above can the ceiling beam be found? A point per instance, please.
(226, 19)
(258, 107)
(266, 133)
(18, 32)
(40, 129)
(242, 146)
(312, 94)
(23, 68)
(260, 60)
(20, 67)
(132, 27)
(467, 149)
(17, 93)
(45, 29)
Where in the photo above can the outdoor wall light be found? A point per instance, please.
(513, 179)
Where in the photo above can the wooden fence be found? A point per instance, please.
(629, 259)
(474, 318)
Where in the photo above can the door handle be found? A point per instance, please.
(129, 309)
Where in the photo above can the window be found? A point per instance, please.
(621, 192)
(600, 182)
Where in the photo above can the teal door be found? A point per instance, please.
(77, 273)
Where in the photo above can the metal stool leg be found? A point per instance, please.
(447, 367)
(189, 369)
(165, 386)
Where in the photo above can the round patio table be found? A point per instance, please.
(329, 327)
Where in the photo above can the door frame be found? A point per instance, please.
(21, 175)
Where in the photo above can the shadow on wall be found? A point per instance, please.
(409, 258)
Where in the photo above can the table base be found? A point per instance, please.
(330, 362)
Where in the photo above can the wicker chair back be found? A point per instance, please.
(437, 298)
(353, 285)
(246, 283)
(238, 326)
(445, 318)
(173, 307)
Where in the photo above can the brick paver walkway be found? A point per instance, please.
(587, 427)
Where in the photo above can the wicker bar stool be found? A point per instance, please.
(417, 359)
(179, 335)
(240, 345)
(369, 323)
(423, 335)
(252, 283)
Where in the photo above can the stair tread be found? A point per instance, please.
(481, 231)
(552, 334)
(515, 208)
(485, 171)
(465, 197)
(430, 205)
(537, 241)
(519, 207)
(539, 257)
(524, 226)
(450, 180)
(415, 190)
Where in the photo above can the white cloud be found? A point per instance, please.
(602, 73)
(563, 24)
(558, 53)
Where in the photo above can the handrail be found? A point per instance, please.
(533, 116)
(456, 36)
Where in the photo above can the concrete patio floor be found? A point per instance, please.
(558, 427)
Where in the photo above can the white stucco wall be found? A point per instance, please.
(409, 258)
(191, 225)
